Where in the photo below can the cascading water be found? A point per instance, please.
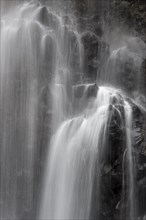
(33, 54)
(77, 150)
(48, 113)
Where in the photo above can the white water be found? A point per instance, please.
(73, 157)
(131, 177)
(41, 56)
(76, 150)
(37, 53)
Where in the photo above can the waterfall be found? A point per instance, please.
(131, 178)
(34, 67)
(63, 131)
(77, 151)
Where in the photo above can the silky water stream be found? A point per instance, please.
(49, 117)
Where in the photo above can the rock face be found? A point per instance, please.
(113, 167)
(139, 131)
(93, 46)
(97, 17)
(93, 17)
(133, 14)
(126, 15)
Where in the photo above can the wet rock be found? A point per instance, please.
(127, 14)
(137, 136)
(47, 18)
(73, 45)
(92, 91)
(86, 91)
(91, 45)
(142, 196)
(125, 4)
(78, 90)
(47, 55)
(67, 20)
(125, 67)
(107, 169)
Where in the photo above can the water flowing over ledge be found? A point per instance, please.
(72, 117)
(77, 152)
